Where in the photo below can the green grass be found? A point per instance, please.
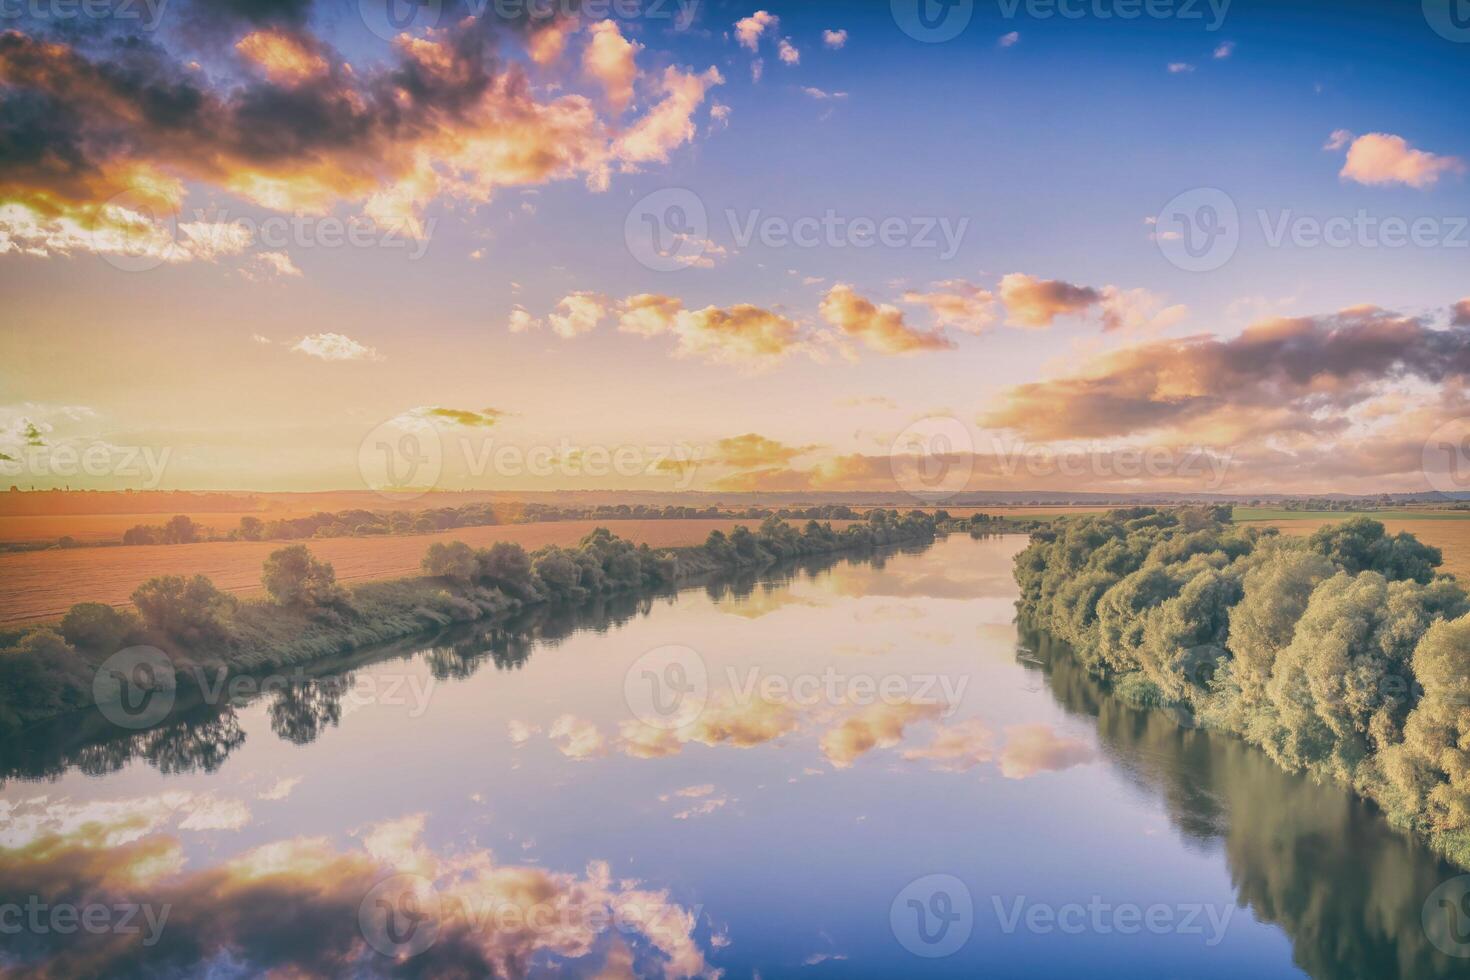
(1273, 514)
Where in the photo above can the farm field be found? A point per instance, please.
(42, 585)
(1277, 514)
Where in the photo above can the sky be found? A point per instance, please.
(1022, 244)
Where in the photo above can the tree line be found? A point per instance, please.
(307, 614)
(358, 522)
(1343, 655)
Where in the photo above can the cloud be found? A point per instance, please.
(1032, 749)
(738, 333)
(880, 328)
(788, 52)
(748, 30)
(1010, 39)
(957, 748)
(577, 738)
(1180, 67)
(611, 59)
(335, 347)
(1279, 374)
(1382, 158)
(1137, 311)
(725, 720)
(835, 40)
(1338, 139)
(280, 789)
(272, 265)
(753, 450)
(482, 419)
(1224, 50)
(874, 727)
(230, 912)
(670, 123)
(577, 313)
(1460, 313)
(822, 94)
(286, 58)
(719, 115)
(305, 132)
(216, 814)
(703, 808)
(1032, 302)
(521, 321)
(520, 732)
(957, 303)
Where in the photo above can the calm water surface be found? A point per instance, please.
(859, 769)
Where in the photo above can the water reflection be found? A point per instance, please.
(771, 831)
(1322, 864)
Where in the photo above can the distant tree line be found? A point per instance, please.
(358, 523)
(1343, 655)
(48, 670)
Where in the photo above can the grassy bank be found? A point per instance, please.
(1343, 655)
(49, 670)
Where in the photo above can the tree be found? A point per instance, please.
(251, 528)
(98, 627)
(1360, 544)
(189, 610)
(293, 576)
(506, 565)
(453, 560)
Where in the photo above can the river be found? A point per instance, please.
(852, 768)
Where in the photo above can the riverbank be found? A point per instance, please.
(52, 669)
(1342, 655)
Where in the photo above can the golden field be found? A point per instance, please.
(42, 585)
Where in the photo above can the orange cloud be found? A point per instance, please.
(480, 917)
(957, 303)
(1032, 302)
(286, 58)
(1031, 749)
(957, 748)
(314, 133)
(874, 727)
(881, 328)
(611, 59)
(738, 333)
